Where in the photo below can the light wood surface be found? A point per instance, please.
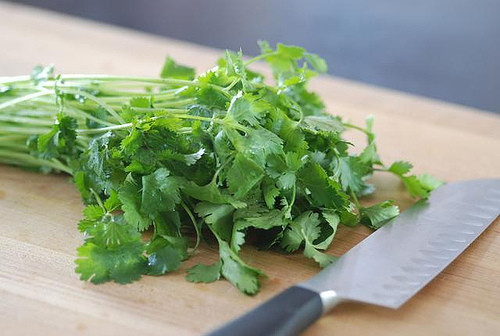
(40, 293)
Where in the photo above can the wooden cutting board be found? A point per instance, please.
(40, 293)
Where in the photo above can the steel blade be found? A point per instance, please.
(395, 262)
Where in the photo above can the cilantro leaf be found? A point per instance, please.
(243, 175)
(324, 191)
(379, 214)
(160, 192)
(173, 70)
(162, 162)
(417, 186)
(204, 273)
(130, 197)
(123, 264)
(244, 277)
(306, 229)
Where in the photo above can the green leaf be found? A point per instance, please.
(160, 192)
(306, 229)
(236, 67)
(161, 261)
(130, 197)
(93, 212)
(325, 192)
(322, 123)
(244, 277)
(243, 175)
(220, 216)
(417, 186)
(41, 74)
(204, 273)
(351, 173)
(400, 168)
(123, 264)
(316, 62)
(333, 220)
(112, 202)
(173, 70)
(270, 192)
(379, 214)
(255, 216)
(246, 108)
(211, 193)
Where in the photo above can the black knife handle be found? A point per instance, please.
(288, 313)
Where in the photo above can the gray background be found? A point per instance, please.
(445, 49)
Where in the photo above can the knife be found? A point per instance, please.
(387, 268)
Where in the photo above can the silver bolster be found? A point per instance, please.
(329, 299)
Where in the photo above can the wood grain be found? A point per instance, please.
(41, 294)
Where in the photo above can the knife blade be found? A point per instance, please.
(387, 268)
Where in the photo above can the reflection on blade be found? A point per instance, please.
(395, 262)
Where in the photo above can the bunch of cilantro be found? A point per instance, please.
(163, 162)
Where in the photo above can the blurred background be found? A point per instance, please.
(444, 49)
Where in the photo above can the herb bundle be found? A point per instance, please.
(183, 157)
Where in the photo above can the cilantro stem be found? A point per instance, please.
(195, 224)
(23, 130)
(230, 86)
(95, 99)
(98, 199)
(355, 199)
(21, 159)
(177, 103)
(25, 98)
(16, 146)
(25, 120)
(261, 56)
(348, 125)
(121, 96)
(12, 137)
(80, 113)
(180, 116)
(149, 80)
(15, 79)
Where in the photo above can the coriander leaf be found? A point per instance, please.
(204, 273)
(173, 70)
(255, 216)
(93, 212)
(306, 229)
(322, 123)
(235, 67)
(351, 173)
(41, 74)
(325, 192)
(112, 202)
(321, 258)
(379, 214)
(316, 62)
(417, 186)
(109, 231)
(270, 192)
(160, 192)
(123, 264)
(400, 168)
(243, 175)
(244, 277)
(219, 216)
(130, 197)
(210, 193)
(292, 238)
(429, 182)
(163, 260)
(333, 221)
(246, 108)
